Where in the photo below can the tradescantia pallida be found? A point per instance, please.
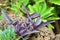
(30, 25)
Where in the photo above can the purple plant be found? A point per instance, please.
(30, 25)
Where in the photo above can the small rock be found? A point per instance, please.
(57, 37)
(45, 34)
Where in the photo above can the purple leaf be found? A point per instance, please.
(30, 27)
(30, 32)
(22, 31)
(18, 27)
(6, 17)
(27, 21)
(38, 22)
(46, 23)
(30, 19)
(25, 9)
(34, 15)
(16, 23)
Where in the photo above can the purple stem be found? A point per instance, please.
(45, 23)
(34, 15)
(6, 17)
(27, 13)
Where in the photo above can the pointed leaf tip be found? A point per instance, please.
(46, 23)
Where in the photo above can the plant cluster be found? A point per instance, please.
(8, 34)
(30, 25)
(40, 6)
(39, 15)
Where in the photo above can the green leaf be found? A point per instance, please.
(15, 9)
(53, 18)
(16, 5)
(55, 13)
(39, 0)
(48, 11)
(30, 9)
(36, 7)
(8, 34)
(57, 2)
(1, 17)
(23, 1)
(44, 7)
(50, 26)
(48, 15)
